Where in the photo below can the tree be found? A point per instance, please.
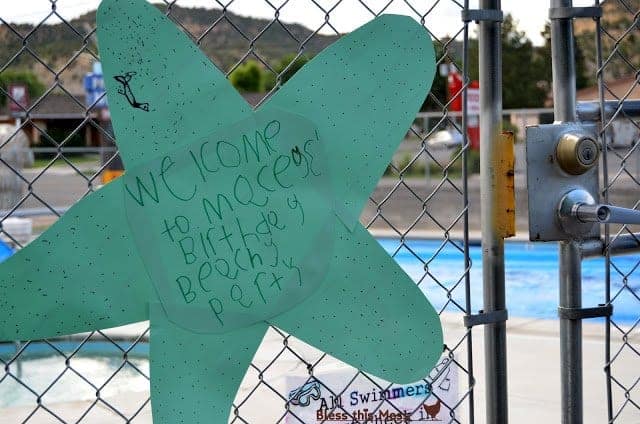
(583, 79)
(439, 92)
(285, 68)
(522, 75)
(543, 60)
(525, 80)
(248, 77)
(35, 88)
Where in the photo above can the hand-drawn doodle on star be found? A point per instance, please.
(229, 220)
(127, 92)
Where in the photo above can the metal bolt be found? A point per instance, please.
(577, 153)
(587, 151)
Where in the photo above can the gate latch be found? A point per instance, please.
(562, 182)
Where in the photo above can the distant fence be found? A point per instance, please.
(45, 399)
(519, 119)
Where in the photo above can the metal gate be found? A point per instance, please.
(620, 184)
(584, 189)
(41, 372)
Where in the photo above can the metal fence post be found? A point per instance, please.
(607, 229)
(490, 63)
(570, 333)
(570, 270)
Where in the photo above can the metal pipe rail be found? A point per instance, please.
(64, 149)
(570, 267)
(624, 244)
(590, 111)
(29, 212)
(493, 273)
(505, 112)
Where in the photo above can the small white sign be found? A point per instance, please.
(323, 398)
(444, 69)
(473, 101)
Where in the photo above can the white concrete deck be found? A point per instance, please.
(534, 381)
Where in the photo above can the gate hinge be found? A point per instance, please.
(484, 318)
(575, 12)
(477, 15)
(585, 313)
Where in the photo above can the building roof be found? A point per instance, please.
(253, 98)
(627, 88)
(60, 106)
(55, 106)
(63, 106)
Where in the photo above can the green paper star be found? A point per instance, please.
(229, 220)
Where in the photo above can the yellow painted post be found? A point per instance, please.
(504, 174)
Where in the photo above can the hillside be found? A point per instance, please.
(226, 43)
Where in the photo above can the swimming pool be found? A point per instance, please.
(531, 277)
(532, 291)
(97, 366)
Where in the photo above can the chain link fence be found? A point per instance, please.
(618, 59)
(103, 376)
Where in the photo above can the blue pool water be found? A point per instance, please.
(5, 251)
(531, 277)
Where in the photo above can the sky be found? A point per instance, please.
(349, 14)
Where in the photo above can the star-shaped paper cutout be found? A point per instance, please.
(229, 220)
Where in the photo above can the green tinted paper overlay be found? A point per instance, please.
(158, 65)
(213, 190)
(369, 313)
(84, 273)
(195, 379)
(230, 226)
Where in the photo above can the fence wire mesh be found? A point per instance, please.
(103, 376)
(617, 71)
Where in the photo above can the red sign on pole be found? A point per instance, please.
(455, 85)
(473, 111)
(18, 97)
